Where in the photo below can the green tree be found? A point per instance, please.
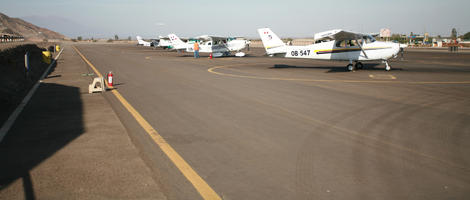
(453, 33)
(116, 37)
(79, 38)
(466, 36)
(395, 37)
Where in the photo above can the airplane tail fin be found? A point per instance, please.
(140, 40)
(272, 43)
(175, 40)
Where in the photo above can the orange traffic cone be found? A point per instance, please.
(210, 55)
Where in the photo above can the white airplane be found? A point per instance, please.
(142, 42)
(334, 45)
(164, 42)
(218, 46)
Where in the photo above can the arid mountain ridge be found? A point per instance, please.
(19, 27)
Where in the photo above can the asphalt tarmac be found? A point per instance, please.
(273, 128)
(69, 144)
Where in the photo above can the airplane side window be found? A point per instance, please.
(361, 41)
(340, 43)
(352, 43)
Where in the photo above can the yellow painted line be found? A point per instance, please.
(382, 76)
(213, 71)
(341, 130)
(199, 184)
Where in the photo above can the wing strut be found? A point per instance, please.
(360, 46)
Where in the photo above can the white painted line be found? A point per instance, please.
(11, 120)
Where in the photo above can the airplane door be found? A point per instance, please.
(206, 47)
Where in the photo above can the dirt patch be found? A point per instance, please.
(15, 81)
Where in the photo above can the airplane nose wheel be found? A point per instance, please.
(387, 66)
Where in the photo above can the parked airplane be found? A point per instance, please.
(142, 42)
(334, 45)
(218, 46)
(164, 42)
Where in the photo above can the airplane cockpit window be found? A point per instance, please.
(340, 43)
(346, 43)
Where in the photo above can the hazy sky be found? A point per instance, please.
(288, 18)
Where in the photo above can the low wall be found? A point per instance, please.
(15, 81)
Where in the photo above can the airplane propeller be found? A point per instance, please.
(402, 54)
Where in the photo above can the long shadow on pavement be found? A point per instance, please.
(52, 119)
(331, 69)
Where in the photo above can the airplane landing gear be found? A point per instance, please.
(359, 65)
(387, 66)
(350, 67)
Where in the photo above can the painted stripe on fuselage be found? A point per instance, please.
(327, 51)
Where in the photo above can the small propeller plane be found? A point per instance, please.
(334, 45)
(164, 42)
(142, 42)
(218, 46)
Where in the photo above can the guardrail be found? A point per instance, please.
(10, 38)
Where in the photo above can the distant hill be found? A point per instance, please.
(16, 26)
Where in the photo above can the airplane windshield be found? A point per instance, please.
(369, 39)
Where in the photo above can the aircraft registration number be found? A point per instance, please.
(300, 53)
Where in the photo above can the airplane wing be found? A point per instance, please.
(374, 34)
(213, 38)
(338, 34)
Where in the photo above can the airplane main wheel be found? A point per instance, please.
(359, 65)
(350, 67)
